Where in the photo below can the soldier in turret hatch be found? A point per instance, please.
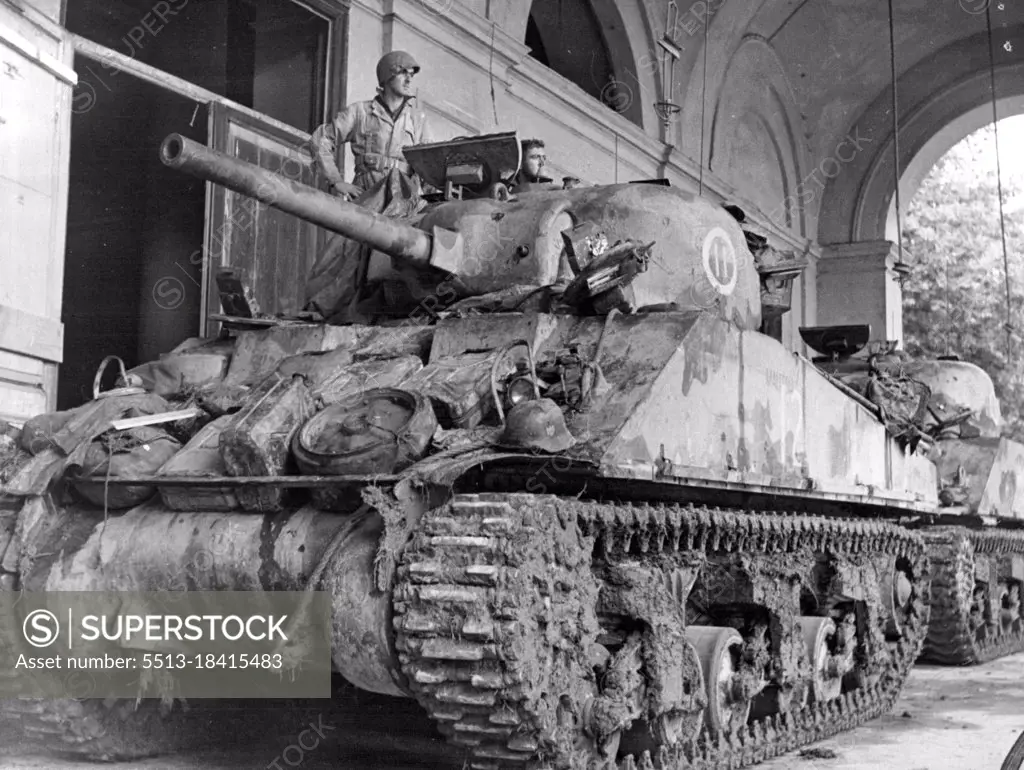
(530, 174)
(378, 130)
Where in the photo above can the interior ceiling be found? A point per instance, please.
(836, 53)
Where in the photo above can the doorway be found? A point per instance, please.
(130, 289)
(137, 230)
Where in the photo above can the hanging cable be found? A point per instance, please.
(490, 73)
(949, 314)
(616, 157)
(703, 104)
(999, 185)
(895, 137)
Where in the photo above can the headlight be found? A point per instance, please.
(519, 390)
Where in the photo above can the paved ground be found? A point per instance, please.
(947, 719)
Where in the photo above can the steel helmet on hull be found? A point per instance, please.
(536, 424)
(392, 63)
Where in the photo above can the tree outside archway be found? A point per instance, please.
(954, 302)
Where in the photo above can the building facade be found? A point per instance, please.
(103, 251)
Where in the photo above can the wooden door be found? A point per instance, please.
(36, 104)
(276, 249)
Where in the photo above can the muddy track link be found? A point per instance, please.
(951, 639)
(95, 730)
(480, 675)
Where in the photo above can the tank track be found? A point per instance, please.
(464, 566)
(95, 730)
(951, 640)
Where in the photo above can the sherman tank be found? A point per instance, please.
(563, 491)
(975, 544)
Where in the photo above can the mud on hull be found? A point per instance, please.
(549, 631)
(544, 631)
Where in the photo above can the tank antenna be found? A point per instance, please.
(949, 315)
(490, 72)
(999, 185)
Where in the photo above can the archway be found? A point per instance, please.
(966, 277)
(950, 135)
(944, 99)
(585, 41)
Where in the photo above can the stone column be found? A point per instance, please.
(857, 284)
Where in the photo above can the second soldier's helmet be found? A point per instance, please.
(536, 424)
(392, 63)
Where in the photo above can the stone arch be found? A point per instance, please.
(755, 145)
(857, 205)
(941, 142)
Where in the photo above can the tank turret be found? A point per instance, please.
(454, 249)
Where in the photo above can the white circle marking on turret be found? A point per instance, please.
(720, 261)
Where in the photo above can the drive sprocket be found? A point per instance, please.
(496, 618)
(961, 630)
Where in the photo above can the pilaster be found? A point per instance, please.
(857, 284)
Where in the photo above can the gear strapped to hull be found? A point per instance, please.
(502, 616)
(976, 599)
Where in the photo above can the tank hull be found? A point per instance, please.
(438, 626)
(721, 567)
(695, 401)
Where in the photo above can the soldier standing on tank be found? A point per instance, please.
(378, 130)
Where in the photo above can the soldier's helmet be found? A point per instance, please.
(536, 424)
(392, 63)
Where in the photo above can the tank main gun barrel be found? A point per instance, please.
(394, 238)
